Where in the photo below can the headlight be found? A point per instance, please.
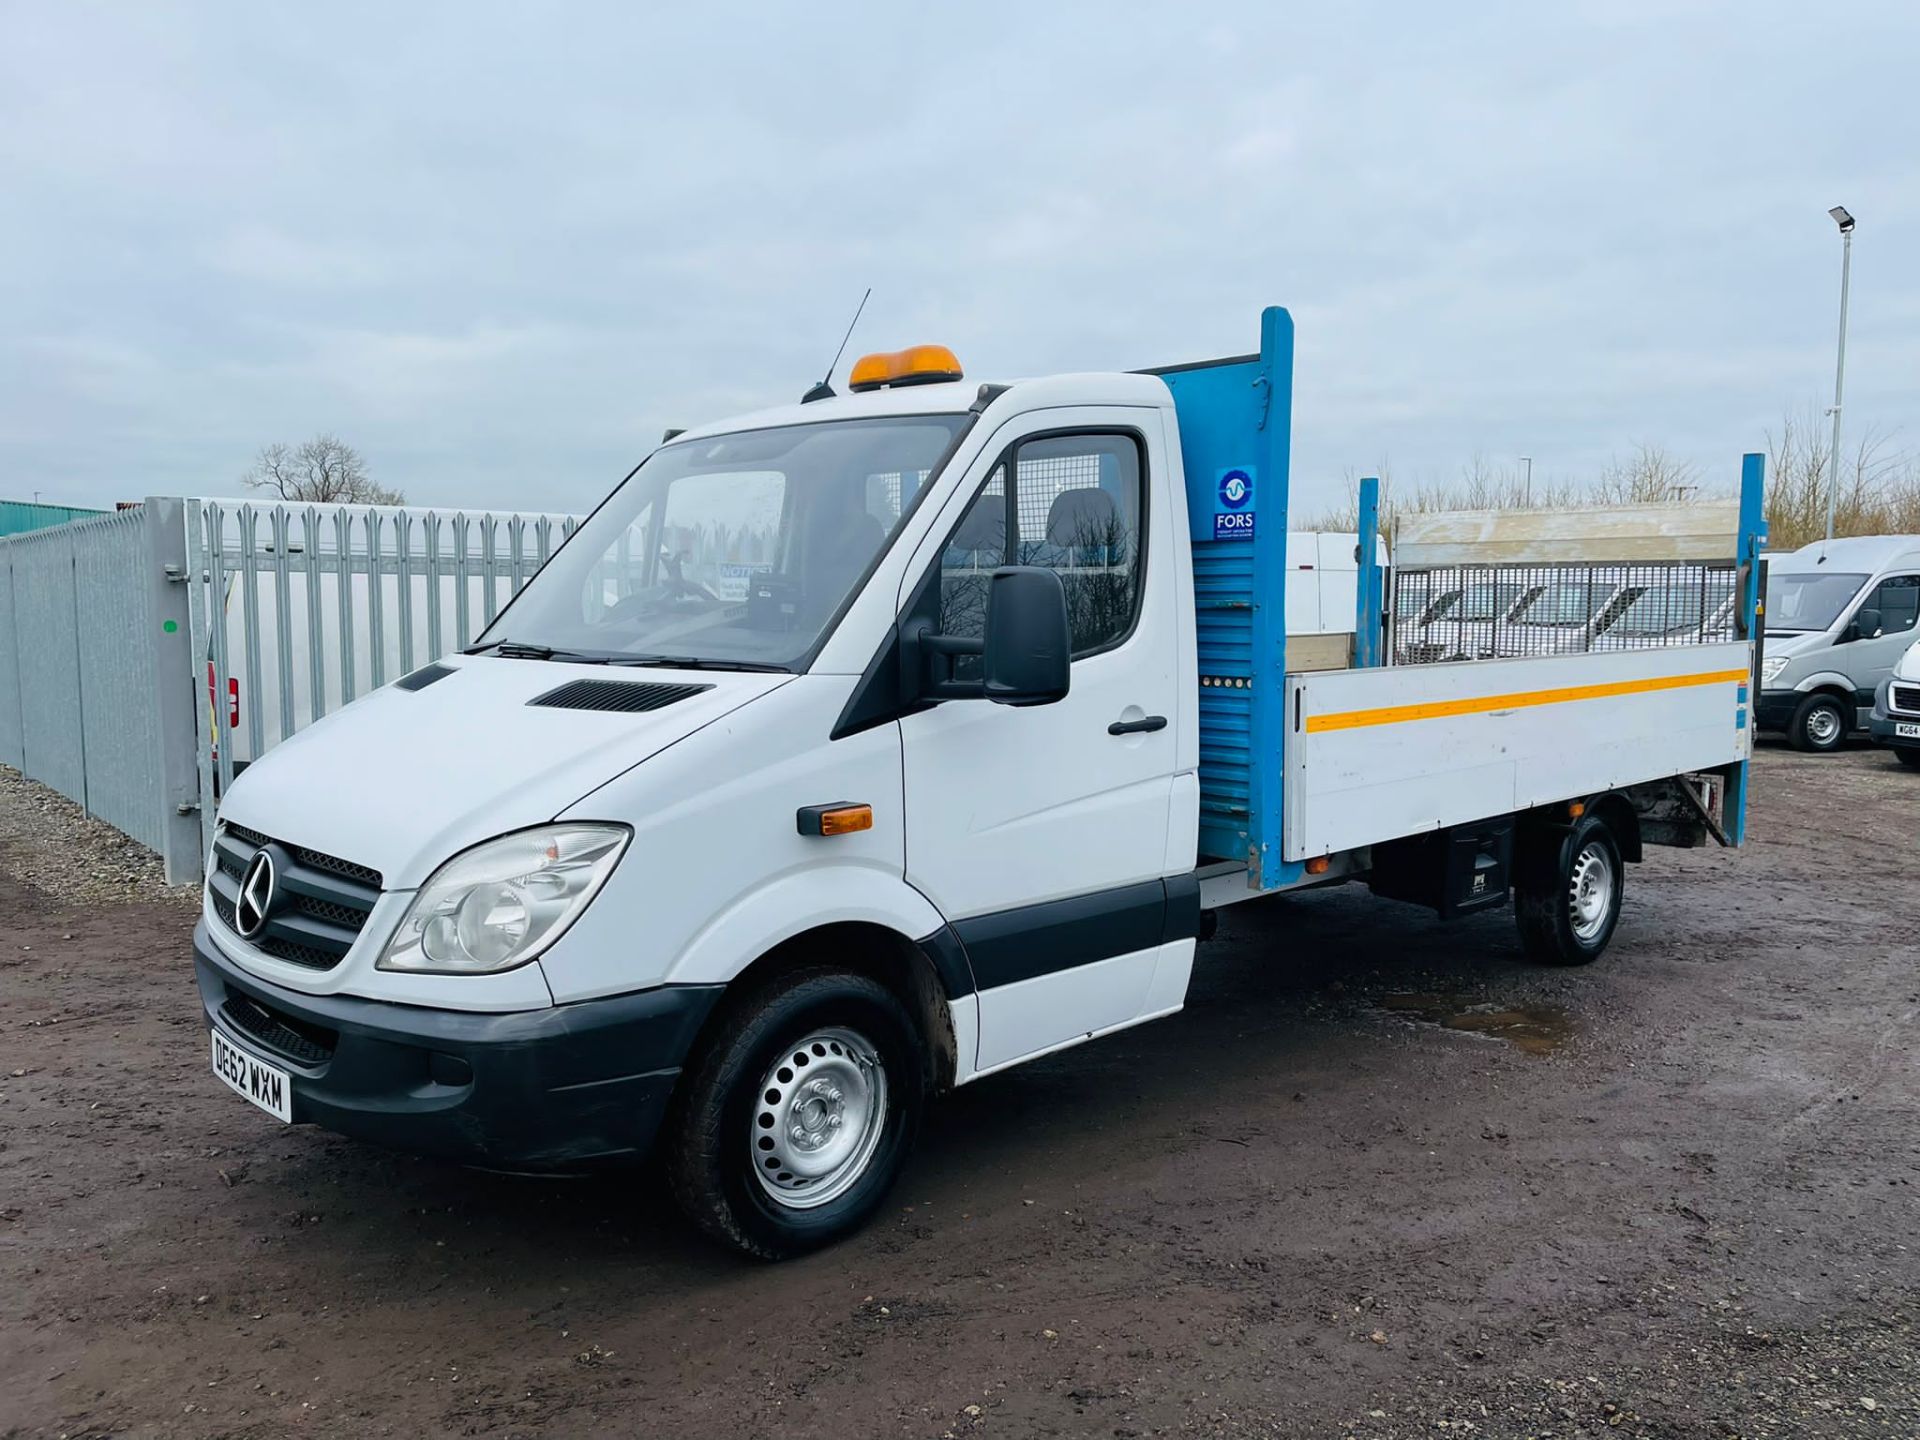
(501, 903)
(1771, 667)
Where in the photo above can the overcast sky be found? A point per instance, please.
(500, 248)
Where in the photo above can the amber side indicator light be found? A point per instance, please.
(843, 817)
(1319, 865)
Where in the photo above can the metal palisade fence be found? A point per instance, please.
(298, 610)
(147, 656)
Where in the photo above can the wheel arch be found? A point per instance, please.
(1827, 682)
(1616, 812)
(922, 975)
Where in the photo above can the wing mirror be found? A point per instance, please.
(1025, 655)
(1028, 650)
(1866, 625)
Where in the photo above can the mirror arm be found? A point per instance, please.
(922, 645)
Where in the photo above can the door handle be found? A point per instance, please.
(1146, 725)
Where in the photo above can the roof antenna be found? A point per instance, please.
(824, 390)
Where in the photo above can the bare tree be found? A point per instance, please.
(1650, 476)
(323, 471)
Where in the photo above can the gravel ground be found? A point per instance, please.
(51, 844)
(1380, 1179)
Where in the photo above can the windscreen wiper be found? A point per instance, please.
(691, 662)
(522, 650)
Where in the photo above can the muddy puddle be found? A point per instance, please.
(1534, 1029)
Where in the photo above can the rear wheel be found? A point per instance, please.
(798, 1116)
(1567, 900)
(1819, 725)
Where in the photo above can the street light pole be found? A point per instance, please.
(1846, 223)
(1527, 460)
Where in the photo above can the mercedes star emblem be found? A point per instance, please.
(256, 896)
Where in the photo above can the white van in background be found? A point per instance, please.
(1840, 614)
(1895, 721)
(1697, 610)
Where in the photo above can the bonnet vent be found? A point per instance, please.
(624, 697)
(423, 677)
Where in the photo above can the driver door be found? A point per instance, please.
(1042, 833)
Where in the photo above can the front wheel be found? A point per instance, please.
(1818, 726)
(1908, 757)
(798, 1116)
(1567, 903)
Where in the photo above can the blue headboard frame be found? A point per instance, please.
(1236, 426)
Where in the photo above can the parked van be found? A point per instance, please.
(742, 883)
(1697, 610)
(1564, 616)
(1840, 613)
(1895, 722)
(1460, 622)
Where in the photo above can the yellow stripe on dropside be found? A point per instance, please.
(1480, 704)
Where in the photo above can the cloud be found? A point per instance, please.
(500, 250)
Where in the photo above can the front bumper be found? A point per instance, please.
(1774, 709)
(1881, 727)
(567, 1087)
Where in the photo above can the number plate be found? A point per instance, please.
(265, 1085)
(1906, 730)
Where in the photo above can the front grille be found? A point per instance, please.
(320, 903)
(315, 859)
(1906, 697)
(333, 911)
(298, 1041)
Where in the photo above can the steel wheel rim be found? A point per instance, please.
(1823, 725)
(817, 1118)
(1590, 891)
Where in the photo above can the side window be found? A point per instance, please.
(1075, 508)
(1898, 601)
(1078, 503)
(977, 547)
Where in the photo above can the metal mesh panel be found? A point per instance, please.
(1489, 612)
(1040, 482)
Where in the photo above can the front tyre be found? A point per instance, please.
(1908, 757)
(798, 1115)
(1568, 901)
(1819, 726)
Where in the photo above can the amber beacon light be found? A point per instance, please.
(915, 365)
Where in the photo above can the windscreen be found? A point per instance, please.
(1797, 603)
(1670, 609)
(731, 551)
(1488, 602)
(1562, 605)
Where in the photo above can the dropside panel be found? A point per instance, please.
(1377, 754)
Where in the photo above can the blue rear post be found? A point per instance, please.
(1369, 635)
(1752, 540)
(1236, 423)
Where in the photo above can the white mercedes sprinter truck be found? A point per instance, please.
(741, 873)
